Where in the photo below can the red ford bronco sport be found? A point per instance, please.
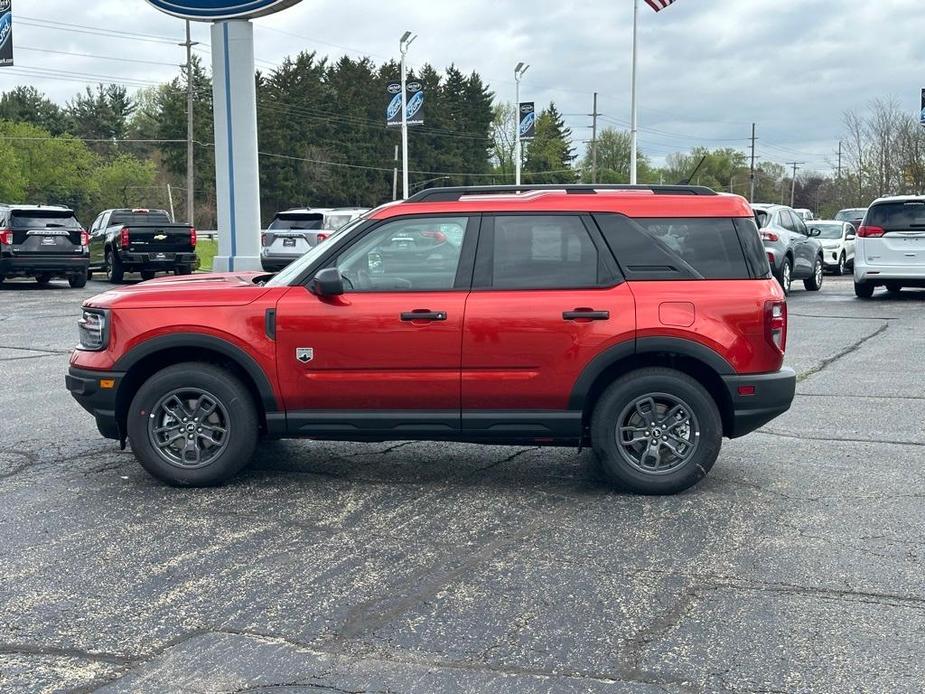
(643, 321)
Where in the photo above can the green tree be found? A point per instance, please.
(614, 148)
(122, 182)
(28, 105)
(550, 155)
(101, 114)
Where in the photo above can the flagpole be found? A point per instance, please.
(635, 115)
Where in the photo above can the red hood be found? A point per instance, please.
(219, 289)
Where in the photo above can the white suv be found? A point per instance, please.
(890, 248)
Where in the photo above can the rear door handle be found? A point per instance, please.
(586, 314)
(423, 315)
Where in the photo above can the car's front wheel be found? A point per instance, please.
(814, 282)
(842, 264)
(148, 275)
(656, 431)
(193, 425)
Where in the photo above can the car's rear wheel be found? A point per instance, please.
(193, 425)
(894, 287)
(114, 270)
(656, 431)
(863, 290)
(78, 281)
(148, 275)
(786, 276)
(43, 278)
(814, 282)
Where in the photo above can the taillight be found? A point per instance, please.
(123, 237)
(6, 237)
(322, 237)
(193, 238)
(769, 236)
(776, 324)
(866, 232)
(84, 238)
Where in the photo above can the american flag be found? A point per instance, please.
(659, 5)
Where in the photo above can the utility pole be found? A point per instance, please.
(173, 217)
(519, 71)
(594, 141)
(751, 189)
(635, 111)
(406, 40)
(190, 164)
(838, 185)
(395, 176)
(793, 182)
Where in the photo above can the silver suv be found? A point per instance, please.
(794, 250)
(293, 233)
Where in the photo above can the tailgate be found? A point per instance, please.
(166, 238)
(47, 241)
(901, 225)
(898, 248)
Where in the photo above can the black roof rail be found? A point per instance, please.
(452, 194)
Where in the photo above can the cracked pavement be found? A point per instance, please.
(797, 566)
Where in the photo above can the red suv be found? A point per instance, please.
(642, 321)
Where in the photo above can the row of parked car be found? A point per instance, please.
(47, 242)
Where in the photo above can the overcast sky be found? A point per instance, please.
(708, 68)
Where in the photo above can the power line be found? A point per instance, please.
(91, 55)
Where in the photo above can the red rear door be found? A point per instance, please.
(546, 301)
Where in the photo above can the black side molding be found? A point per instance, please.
(269, 323)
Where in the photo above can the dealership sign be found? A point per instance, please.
(214, 10)
(414, 99)
(527, 121)
(6, 32)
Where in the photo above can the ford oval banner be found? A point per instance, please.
(6, 32)
(214, 10)
(415, 100)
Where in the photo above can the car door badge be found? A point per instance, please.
(304, 354)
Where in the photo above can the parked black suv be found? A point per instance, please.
(43, 242)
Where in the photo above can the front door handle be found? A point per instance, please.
(423, 315)
(586, 314)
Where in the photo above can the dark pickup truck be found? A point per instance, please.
(43, 242)
(144, 241)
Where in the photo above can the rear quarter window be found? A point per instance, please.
(139, 218)
(681, 248)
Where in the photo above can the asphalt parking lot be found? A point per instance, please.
(796, 566)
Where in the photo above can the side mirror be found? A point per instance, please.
(327, 282)
(815, 232)
(850, 237)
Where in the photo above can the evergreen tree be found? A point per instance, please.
(550, 155)
(28, 105)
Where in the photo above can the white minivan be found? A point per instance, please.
(890, 249)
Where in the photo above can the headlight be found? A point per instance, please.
(93, 328)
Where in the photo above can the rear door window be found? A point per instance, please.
(897, 216)
(543, 252)
(688, 248)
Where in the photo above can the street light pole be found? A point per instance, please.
(519, 71)
(635, 115)
(406, 40)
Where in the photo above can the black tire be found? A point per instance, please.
(89, 275)
(184, 270)
(842, 265)
(814, 282)
(43, 279)
(785, 279)
(2, 279)
(863, 290)
(115, 273)
(78, 281)
(894, 287)
(619, 401)
(148, 275)
(234, 403)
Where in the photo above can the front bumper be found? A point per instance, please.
(773, 395)
(92, 391)
(12, 266)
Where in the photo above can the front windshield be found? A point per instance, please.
(292, 272)
(829, 231)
